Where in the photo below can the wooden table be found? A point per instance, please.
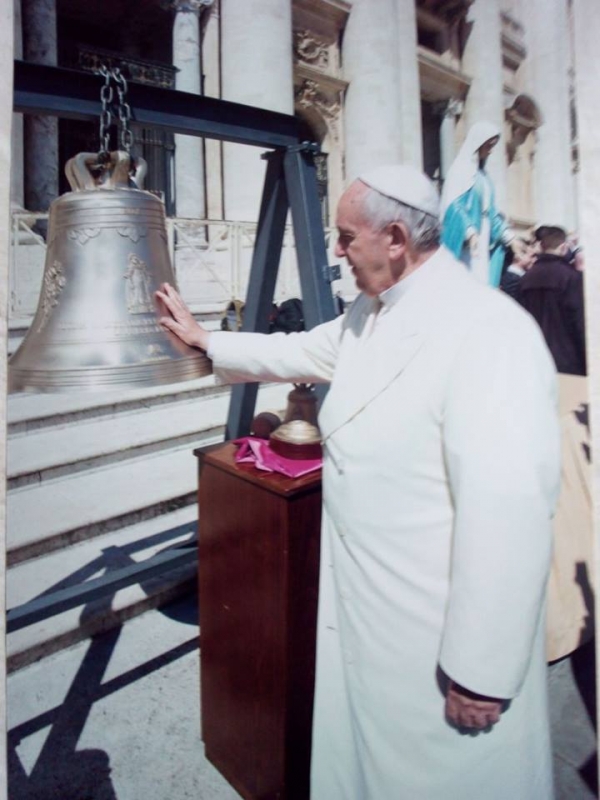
(258, 579)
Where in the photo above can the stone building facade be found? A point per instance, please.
(374, 81)
(97, 480)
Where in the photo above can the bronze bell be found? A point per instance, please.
(96, 323)
(302, 404)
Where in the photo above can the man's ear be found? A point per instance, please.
(399, 239)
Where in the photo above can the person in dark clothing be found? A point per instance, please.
(517, 266)
(552, 291)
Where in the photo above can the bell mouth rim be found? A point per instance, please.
(297, 432)
(24, 379)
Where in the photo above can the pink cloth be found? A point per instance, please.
(258, 452)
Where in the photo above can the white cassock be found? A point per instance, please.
(441, 470)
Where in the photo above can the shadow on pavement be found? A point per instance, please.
(62, 772)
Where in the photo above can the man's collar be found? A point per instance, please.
(390, 296)
(552, 257)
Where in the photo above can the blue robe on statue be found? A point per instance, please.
(468, 207)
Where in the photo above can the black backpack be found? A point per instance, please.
(289, 317)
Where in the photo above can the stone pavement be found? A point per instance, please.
(117, 718)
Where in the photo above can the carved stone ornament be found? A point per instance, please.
(524, 117)
(54, 282)
(137, 286)
(309, 95)
(306, 94)
(310, 50)
(134, 69)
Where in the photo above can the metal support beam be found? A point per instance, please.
(291, 182)
(301, 183)
(261, 287)
(40, 89)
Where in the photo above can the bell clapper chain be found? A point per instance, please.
(106, 98)
(124, 111)
(116, 77)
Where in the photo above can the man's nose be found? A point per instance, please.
(339, 251)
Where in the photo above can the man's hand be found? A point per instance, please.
(471, 711)
(176, 317)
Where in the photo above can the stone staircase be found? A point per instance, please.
(97, 482)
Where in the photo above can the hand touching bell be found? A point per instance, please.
(176, 317)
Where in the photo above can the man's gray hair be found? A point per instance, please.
(380, 210)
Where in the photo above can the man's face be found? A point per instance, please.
(365, 249)
(526, 256)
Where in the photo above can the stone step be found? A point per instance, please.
(63, 511)
(79, 445)
(85, 561)
(65, 450)
(91, 498)
(27, 411)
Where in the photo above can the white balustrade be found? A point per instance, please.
(211, 271)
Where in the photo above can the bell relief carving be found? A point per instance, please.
(133, 232)
(54, 283)
(139, 295)
(83, 235)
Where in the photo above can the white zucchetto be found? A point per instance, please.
(404, 183)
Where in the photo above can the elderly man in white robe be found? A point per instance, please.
(441, 470)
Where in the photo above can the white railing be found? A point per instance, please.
(211, 259)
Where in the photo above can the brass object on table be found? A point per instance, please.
(302, 404)
(299, 436)
(96, 325)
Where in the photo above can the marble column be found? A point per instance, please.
(411, 134)
(546, 25)
(372, 112)
(189, 154)
(213, 148)
(17, 195)
(482, 61)
(256, 59)
(41, 132)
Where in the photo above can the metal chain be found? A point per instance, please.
(106, 98)
(124, 110)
